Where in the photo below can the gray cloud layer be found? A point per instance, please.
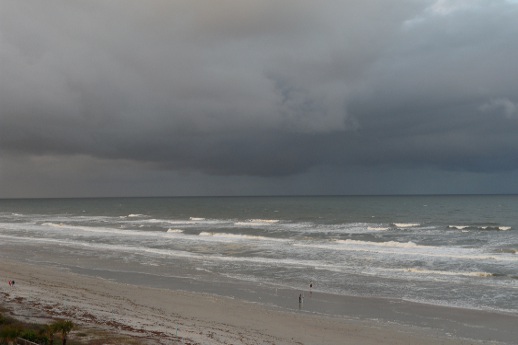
(260, 88)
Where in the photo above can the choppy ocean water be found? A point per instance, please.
(457, 251)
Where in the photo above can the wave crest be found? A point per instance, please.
(480, 227)
(406, 225)
(232, 236)
(383, 244)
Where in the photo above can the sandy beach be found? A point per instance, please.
(159, 316)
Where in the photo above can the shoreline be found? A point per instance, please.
(162, 316)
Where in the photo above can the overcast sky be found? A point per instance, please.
(257, 97)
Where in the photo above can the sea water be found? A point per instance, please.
(459, 251)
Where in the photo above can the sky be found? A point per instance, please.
(258, 97)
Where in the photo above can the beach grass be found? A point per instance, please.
(79, 336)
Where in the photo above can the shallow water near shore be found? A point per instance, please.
(456, 322)
(453, 251)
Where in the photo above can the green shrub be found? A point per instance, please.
(34, 335)
(10, 332)
(6, 320)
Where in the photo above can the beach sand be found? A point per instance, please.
(161, 316)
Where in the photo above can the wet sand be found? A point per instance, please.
(164, 316)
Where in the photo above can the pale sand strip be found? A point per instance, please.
(158, 315)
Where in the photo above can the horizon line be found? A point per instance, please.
(256, 196)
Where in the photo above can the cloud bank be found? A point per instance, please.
(258, 89)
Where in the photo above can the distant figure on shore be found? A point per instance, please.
(300, 298)
(310, 288)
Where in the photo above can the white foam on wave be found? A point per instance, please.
(68, 229)
(406, 225)
(269, 221)
(409, 248)
(210, 257)
(448, 273)
(336, 229)
(393, 244)
(109, 247)
(257, 222)
(234, 236)
(377, 228)
(185, 222)
(54, 225)
(458, 227)
(174, 230)
(500, 228)
(484, 227)
(166, 221)
(135, 215)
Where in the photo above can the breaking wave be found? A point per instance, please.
(393, 244)
(257, 222)
(234, 236)
(479, 227)
(449, 273)
(405, 225)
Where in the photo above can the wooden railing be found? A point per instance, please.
(21, 341)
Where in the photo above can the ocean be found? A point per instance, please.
(458, 251)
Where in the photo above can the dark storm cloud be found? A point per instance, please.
(445, 94)
(262, 88)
